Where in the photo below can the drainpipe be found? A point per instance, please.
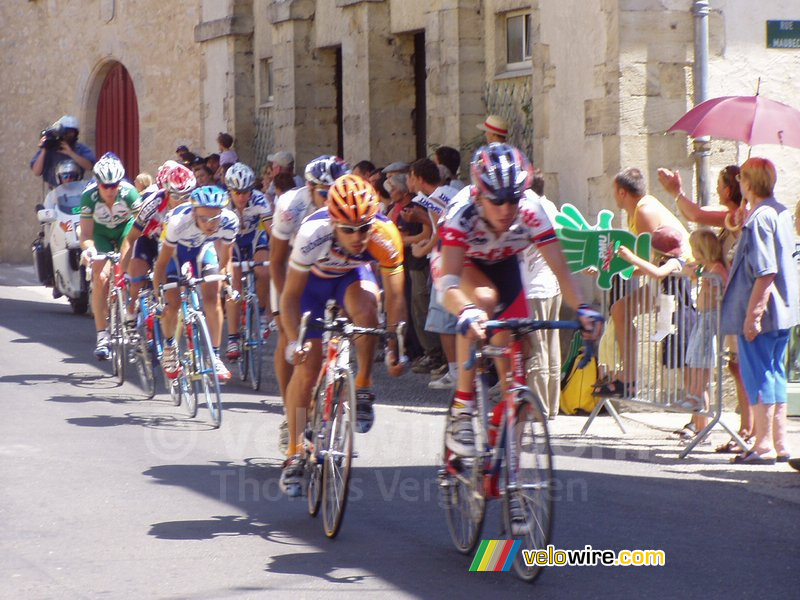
(702, 145)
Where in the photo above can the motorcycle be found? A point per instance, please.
(57, 251)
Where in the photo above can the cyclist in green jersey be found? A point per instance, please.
(108, 206)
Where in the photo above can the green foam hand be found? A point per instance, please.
(586, 246)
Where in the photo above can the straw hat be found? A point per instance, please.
(494, 124)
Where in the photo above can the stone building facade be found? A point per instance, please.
(589, 85)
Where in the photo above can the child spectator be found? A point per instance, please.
(227, 156)
(701, 352)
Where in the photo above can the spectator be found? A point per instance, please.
(544, 301)
(364, 169)
(203, 174)
(283, 183)
(495, 128)
(144, 183)
(414, 226)
(266, 177)
(701, 351)
(450, 159)
(180, 151)
(227, 155)
(50, 154)
(282, 162)
(729, 216)
(645, 215)
(212, 162)
(761, 305)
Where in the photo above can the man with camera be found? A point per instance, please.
(59, 142)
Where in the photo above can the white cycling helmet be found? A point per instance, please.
(240, 178)
(68, 169)
(109, 169)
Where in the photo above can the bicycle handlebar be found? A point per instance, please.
(525, 326)
(194, 281)
(246, 265)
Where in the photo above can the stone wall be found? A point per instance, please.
(53, 56)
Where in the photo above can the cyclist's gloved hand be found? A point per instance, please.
(469, 320)
(87, 255)
(395, 367)
(296, 354)
(591, 321)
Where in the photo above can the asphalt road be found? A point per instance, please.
(104, 494)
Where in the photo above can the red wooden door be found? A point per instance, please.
(118, 119)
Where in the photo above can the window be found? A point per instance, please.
(265, 81)
(518, 40)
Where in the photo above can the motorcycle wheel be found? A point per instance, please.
(79, 305)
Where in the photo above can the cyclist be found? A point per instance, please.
(174, 182)
(487, 225)
(108, 205)
(330, 260)
(290, 210)
(200, 233)
(252, 243)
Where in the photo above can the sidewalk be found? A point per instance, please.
(650, 448)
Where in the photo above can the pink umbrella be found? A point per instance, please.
(749, 119)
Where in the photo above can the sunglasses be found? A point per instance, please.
(351, 229)
(321, 190)
(204, 219)
(109, 186)
(513, 201)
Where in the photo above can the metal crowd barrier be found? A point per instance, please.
(646, 342)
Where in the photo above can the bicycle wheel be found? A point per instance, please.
(338, 454)
(528, 478)
(314, 441)
(204, 379)
(119, 354)
(242, 364)
(181, 387)
(463, 499)
(143, 354)
(253, 343)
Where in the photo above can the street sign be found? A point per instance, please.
(783, 34)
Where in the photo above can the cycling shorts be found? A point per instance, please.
(506, 279)
(321, 289)
(110, 240)
(146, 249)
(245, 246)
(203, 259)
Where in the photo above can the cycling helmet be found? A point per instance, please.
(163, 171)
(352, 199)
(68, 169)
(210, 196)
(240, 178)
(109, 169)
(180, 180)
(326, 169)
(500, 172)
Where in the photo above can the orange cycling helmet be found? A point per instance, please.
(352, 199)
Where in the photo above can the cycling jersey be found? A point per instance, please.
(152, 214)
(255, 211)
(106, 220)
(316, 249)
(465, 228)
(290, 210)
(183, 231)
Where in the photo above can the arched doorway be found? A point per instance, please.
(117, 122)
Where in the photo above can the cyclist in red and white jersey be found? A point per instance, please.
(487, 225)
(175, 182)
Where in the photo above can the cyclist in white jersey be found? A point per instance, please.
(487, 225)
(290, 210)
(252, 243)
(201, 233)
